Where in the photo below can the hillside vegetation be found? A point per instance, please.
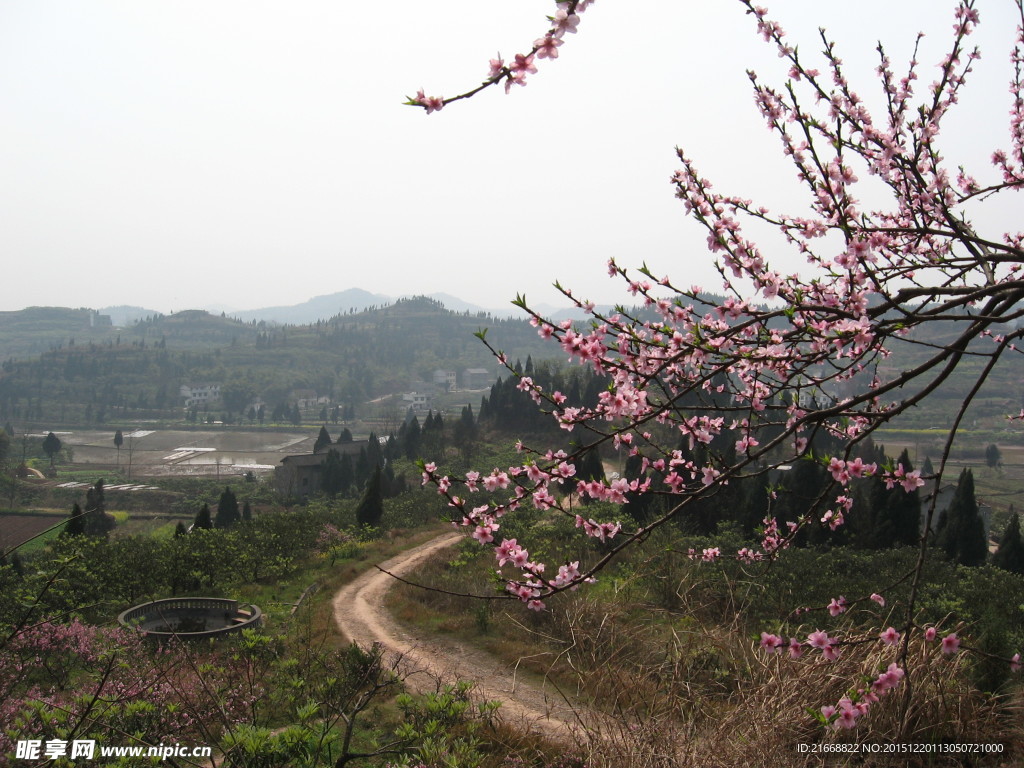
(137, 372)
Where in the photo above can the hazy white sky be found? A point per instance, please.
(247, 153)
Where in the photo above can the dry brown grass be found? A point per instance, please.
(689, 687)
(678, 694)
(765, 719)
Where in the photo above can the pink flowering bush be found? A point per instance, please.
(333, 543)
(61, 678)
(783, 368)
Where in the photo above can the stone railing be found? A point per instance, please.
(160, 613)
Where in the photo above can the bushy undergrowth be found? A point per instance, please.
(664, 646)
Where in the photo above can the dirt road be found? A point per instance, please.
(361, 616)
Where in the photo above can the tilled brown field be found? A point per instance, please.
(16, 529)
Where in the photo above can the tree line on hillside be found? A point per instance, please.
(511, 410)
(351, 359)
(882, 516)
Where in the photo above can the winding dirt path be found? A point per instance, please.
(361, 616)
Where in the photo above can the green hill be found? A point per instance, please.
(31, 331)
(137, 372)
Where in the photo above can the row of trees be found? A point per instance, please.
(228, 514)
(98, 575)
(883, 517)
(511, 409)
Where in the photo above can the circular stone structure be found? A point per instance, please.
(191, 617)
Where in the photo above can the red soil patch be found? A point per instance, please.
(16, 529)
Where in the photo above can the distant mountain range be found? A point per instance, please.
(332, 304)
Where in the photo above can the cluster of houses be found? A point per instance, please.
(420, 399)
(200, 394)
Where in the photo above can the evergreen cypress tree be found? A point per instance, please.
(203, 520)
(798, 490)
(894, 514)
(371, 506)
(374, 456)
(331, 474)
(757, 501)
(1010, 555)
(927, 470)
(96, 520)
(362, 468)
(246, 513)
(433, 434)
(870, 497)
(345, 436)
(390, 486)
(993, 456)
(961, 532)
(322, 440)
(227, 510)
(180, 530)
(465, 432)
(75, 526)
(348, 473)
(411, 439)
(589, 466)
(51, 446)
(904, 510)
(574, 396)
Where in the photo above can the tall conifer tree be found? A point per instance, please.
(227, 510)
(322, 440)
(203, 519)
(961, 532)
(371, 506)
(1010, 554)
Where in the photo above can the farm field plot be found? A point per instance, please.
(15, 529)
(163, 452)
